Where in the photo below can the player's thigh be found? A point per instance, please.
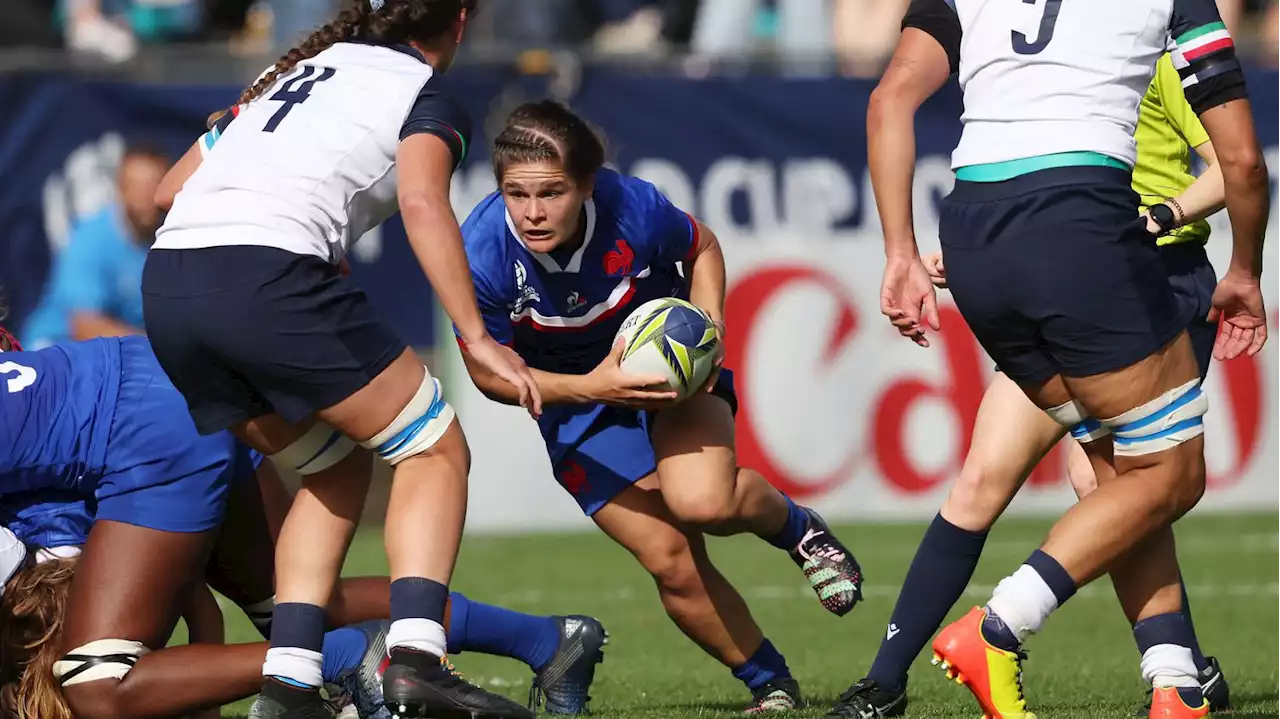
(693, 444)
(638, 519)
(1010, 437)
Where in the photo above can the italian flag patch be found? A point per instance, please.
(1203, 41)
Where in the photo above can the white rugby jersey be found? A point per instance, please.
(309, 166)
(1043, 77)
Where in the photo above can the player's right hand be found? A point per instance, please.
(610, 384)
(506, 364)
(937, 272)
(908, 299)
(1241, 314)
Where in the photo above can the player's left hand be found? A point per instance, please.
(1242, 317)
(908, 299)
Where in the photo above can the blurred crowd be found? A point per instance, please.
(859, 34)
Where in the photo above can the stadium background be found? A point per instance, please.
(768, 149)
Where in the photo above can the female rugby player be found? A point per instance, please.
(560, 256)
(51, 485)
(1011, 435)
(252, 320)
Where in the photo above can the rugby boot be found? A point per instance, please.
(1168, 703)
(869, 700)
(418, 685)
(1213, 684)
(830, 567)
(776, 695)
(993, 675)
(360, 687)
(282, 701)
(564, 681)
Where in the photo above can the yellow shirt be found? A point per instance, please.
(1167, 130)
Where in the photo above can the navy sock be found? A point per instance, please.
(942, 567)
(1059, 581)
(998, 634)
(477, 627)
(416, 598)
(297, 635)
(343, 650)
(793, 530)
(1171, 628)
(1202, 663)
(762, 667)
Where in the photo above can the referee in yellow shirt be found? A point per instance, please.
(1011, 435)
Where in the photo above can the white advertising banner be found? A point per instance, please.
(845, 415)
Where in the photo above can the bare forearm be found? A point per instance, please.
(707, 277)
(1203, 197)
(554, 387)
(437, 243)
(1248, 204)
(891, 158)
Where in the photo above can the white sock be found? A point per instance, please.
(421, 634)
(1169, 665)
(1023, 601)
(301, 666)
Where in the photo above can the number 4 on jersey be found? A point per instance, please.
(26, 376)
(295, 91)
(1048, 20)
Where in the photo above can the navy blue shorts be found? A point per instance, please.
(598, 451)
(1055, 273)
(249, 331)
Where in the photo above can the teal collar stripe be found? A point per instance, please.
(1009, 169)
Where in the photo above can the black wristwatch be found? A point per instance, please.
(1164, 217)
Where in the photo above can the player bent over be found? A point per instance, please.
(160, 492)
(560, 256)
(1064, 288)
(1011, 434)
(253, 321)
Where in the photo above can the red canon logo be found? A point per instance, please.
(1237, 402)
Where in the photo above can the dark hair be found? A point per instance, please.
(31, 614)
(397, 21)
(546, 131)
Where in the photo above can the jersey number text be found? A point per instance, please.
(26, 376)
(295, 91)
(1022, 45)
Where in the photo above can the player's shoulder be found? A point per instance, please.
(630, 201)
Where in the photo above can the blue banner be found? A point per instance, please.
(751, 155)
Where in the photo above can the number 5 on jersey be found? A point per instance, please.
(295, 91)
(1024, 46)
(26, 376)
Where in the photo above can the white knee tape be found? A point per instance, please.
(420, 425)
(103, 659)
(317, 450)
(1089, 431)
(1068, 415)
(1163, 423)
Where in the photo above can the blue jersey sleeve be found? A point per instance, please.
(672, 231)
(436, 112)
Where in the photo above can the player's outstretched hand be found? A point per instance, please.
(505, 363)
(1242, 317)
(908, 299)
(937, 272)
(610, 384)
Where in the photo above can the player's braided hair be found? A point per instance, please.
(31, 616)
(546, 131)
(396, 21)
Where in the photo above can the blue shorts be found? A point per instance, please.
(598, 451)
(247, 331)
(1055, 273)
(160, 473)
(48, 519)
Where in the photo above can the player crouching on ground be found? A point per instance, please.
(560, 256)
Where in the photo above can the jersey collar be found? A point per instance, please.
(547, 261)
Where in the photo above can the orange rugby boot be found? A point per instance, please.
(992, 675)
(1167, 703)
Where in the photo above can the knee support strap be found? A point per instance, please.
(1084, 428)
(317, 450)
(1163, 423)
(418, 427)
(103, 659)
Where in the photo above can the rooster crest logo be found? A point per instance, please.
(617, 262)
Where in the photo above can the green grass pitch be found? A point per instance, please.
(1083, 665)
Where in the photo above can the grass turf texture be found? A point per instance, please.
(1083, 665)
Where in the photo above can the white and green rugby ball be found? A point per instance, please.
(670, 338)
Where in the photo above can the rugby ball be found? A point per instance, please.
(670, 338)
